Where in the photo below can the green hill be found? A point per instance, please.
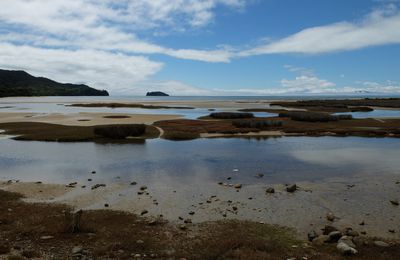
(20, 83)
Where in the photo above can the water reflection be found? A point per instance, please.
(285, 159)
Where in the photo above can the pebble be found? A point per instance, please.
(270, 190)
(347, 240)
(133, 183)
(98, 186)
(346, 249)
(395, 202)
(46, 237)
(77, 250)
(312, 235)
(188, 221)
(238, 186)
(191, 213)
(330, 216)
(139, 242)
(320, 240)
(328, 229)
(334, 236)
(144, 212)
(291, 188)
(381, 244)
(260, 175)
(143, 188)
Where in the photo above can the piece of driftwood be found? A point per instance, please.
(73, 221)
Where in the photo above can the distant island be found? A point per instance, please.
(22, 84)
(157, 94)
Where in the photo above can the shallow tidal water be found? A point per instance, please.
(281, 160)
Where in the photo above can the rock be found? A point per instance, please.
(89, 179)
(152, 223)
(362, 223)
(328, 229)
(381, 244)
(46, 237)
(187, 221)
(346, 249)
(144, 212)
(347, 240)
(330, 216)
(270, 190)
(77, 250)
(191, 213)
(93, 172)
(234, 208)
(139, 242)
(320, 240)
(260, 175)
(312, 235)
(133, 183)
(291, 188)
(106, 205)
(334, 236)
(182, 227)
(137, 256)
(238, 186)
(98, 186)
(352, 233)
(395, 202)
(392, 231)
(143, 188)
(359, 240)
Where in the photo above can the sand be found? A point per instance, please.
(80, 119)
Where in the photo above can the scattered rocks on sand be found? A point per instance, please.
(98, 186)
(395, 202)
(270, 190)
(381, 244)
(291, 188)
(345, 249)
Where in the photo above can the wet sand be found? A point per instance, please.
(353, 201)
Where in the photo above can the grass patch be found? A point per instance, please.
(314, 116)
(120, 131)
(256, 123)
(116, 117)
(180, 135)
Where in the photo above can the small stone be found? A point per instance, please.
(312, 235)
(234, 208)
(137, 256)
(139, 242)
(191, 213)
(77, 250)
(133, 183)
(106, 205)
(182, 227)
(46, 237)
(187, 221)
(347, 240)
(395, 202)
(152, 223)
(238, 186)
(93, 172)
(260, 175)
(334, 236)
(330, 216)
(89, 179)
(291, 188)
(328, 229)
(98, 186)
(270, 190)
(143, 188)
(362, 223)
(352, 233)
(346, 249)
(320, 240)
(381, 244)
(229, 178)
(392, 231)
(144, 212)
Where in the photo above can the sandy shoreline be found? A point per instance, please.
(353, 201)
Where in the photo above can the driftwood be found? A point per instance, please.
(73, 221)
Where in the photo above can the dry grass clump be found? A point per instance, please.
(180, 135)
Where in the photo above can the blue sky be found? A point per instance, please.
(210, 47)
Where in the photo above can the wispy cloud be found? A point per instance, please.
(380, 27)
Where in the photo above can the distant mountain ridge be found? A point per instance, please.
(16, 83)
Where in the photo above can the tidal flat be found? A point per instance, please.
(303, 173)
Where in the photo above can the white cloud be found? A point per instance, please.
(108, 25)
(96, 68)
(380, 27)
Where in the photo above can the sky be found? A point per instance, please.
(207, 47)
